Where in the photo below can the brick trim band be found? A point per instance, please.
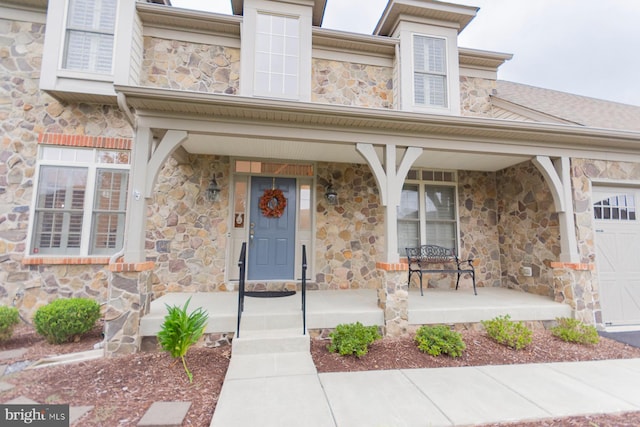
(85, 141)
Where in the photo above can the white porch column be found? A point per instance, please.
(390, 181)
(136, 210)
(557, 174)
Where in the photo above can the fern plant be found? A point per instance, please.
(181, 330)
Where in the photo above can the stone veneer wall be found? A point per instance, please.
(528, 229)
(190, 66)
(349, 235)
(582, 172)
(478, 212)
(345, 83)
(187, 234)
(25, 112)
(475, 96)
(583, 292)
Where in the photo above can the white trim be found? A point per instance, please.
(200, 38)
(352, 57)
(15, 13)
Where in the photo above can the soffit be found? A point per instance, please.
(29, 4)
(343, 41)
(482, 59)
(237, 7)
(191, 20)
(424, 9)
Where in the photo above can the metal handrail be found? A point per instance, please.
(304, 290)
(242, 265)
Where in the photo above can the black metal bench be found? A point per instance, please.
(426, 259)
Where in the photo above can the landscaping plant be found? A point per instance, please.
(9, 317)
(64, 320)
(437, 340)
(181, 330)
(352, 338)
(505, 331)
(573, 330)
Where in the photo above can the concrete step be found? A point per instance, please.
(271, 341)
(263, 321)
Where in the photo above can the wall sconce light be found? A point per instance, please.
(331, 195)
(213, 191)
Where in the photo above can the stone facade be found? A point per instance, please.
(348, 235)
(528, 229)
(186, 234)
(358, 85)
(478, 213)
(25, 113)
(196, 67)
(475, 96)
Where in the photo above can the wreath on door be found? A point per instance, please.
(273, 203)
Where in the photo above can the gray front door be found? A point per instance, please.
(272, 240)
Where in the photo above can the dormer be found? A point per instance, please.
(81, 39)
(428, 61)
(276, 47)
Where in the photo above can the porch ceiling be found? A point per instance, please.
(342, 153)
(257, 127)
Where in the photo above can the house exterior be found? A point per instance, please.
(139, 141)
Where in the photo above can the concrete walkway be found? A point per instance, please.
(284, 389)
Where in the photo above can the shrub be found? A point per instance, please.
(63, 320)
(352, 338)
(507, 332)
(181, 330)
(9, 317)
(437, 340)
(573, 330)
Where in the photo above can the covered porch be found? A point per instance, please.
(327, 309)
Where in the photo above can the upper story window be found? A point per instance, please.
(427, 214)
(277, 56)
(89, 36)
(430, 71)
(80, 201)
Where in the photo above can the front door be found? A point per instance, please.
(271, 251)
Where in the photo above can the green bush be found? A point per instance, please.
(573, 330)
(352, 338)
(181, 330)
(437, 340)
(63, 320)
(507, 332)
(9, 317)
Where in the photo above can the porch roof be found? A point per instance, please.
(237, 125)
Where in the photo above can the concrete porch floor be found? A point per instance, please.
(327, 309)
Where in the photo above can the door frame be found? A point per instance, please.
(239, 200)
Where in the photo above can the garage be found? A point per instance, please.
(617, 239)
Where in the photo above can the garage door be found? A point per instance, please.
(617, 240)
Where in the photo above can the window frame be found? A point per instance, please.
(258, 89)
(445, 74)
(67, 29)
(92, 168)
(421, 183)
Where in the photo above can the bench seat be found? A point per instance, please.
(438, 259)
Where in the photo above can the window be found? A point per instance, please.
(430, 71)
(621, 207)
(428, 210)
(89, 36)
(80, 201)
(277, 56)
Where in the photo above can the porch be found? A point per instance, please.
(327, 309)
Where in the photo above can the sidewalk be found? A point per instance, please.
(285, 390)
